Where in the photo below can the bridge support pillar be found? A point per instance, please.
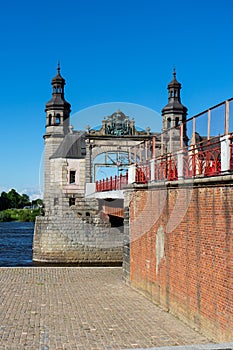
(131, 174)
(225, 152)
(180, 164)
(152, 169)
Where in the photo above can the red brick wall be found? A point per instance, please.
(181, 253)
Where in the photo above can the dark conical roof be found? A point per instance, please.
(174, 82)
(58, 78)
(174, 101)
(175, 107)
(58, 100)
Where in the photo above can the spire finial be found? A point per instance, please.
(58, 67)
(174, 72)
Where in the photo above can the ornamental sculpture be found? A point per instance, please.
(118, 124)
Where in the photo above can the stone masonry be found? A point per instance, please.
(77, 238)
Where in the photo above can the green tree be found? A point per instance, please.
(14, 198)
(4, 201)
(24, 201)
(37, 202)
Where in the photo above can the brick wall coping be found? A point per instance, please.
(211, 346)
(183, 182)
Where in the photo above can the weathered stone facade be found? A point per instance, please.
(70, 239)
(75, 227)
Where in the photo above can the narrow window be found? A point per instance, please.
(50, 119)
(168, 123)
(71, 201)
(58, 119)
(56, 201)
(72, 177)
(177, 121)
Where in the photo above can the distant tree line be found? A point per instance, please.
(13, 199)
(17, 207)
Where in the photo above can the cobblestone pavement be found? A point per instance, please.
(81, 308)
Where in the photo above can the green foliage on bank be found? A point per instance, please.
(13, 199)
(18, 207)
(23, 215)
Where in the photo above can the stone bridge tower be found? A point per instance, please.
(173, 114)
(57, 126)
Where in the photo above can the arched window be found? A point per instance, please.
(111, 163)
(58, 119)
(177, 121)
(168, 123)
(50, 120)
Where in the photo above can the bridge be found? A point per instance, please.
(204, 156)
(163, 209)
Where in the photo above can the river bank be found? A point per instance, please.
(20, 215)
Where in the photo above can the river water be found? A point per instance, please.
(16, 243)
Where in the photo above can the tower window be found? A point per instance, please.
(71, 201)
(177, 121)
(58, 119)
(50, 119)
(57, 90)
(168, 123)
(72, 177)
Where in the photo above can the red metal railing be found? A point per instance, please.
(112, 183)
(202, 159)
(199, 160)
(165, 167)
(143, 174)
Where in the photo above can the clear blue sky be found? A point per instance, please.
(109, 50)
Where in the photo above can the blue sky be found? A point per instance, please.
(110, 51)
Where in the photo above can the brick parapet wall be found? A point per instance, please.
(181, 251)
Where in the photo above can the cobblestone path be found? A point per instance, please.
(81, 308)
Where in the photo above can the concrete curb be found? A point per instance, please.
(210, 346)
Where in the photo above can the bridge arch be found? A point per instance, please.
(110, 163)
(114, 140)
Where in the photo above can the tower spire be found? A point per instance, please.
(174, 112)
(174, 72)
(57, 108)
(58, 67)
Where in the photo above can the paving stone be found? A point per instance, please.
(52, 308)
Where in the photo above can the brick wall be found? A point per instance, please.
(181, 252)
